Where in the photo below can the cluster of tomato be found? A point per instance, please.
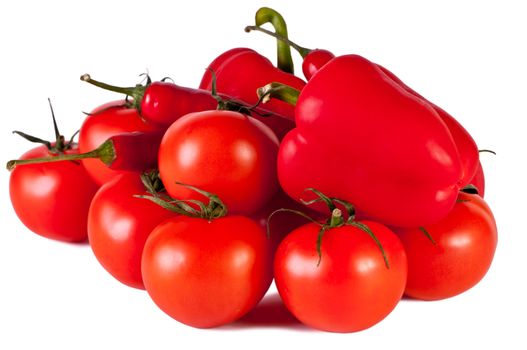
(367, 190)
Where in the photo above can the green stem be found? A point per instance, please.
(336, 218)
(135, 92)
(279, 91)
(105, 152)
(283, 50)
(301, 50)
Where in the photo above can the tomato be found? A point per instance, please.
(207, 273)
(352, 288)
(52, 199)
(119, 224)
(104, 122)
(282, 223)
(465, 242)
(223, 152)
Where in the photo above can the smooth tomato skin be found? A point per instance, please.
(282, 223)
(207, 273)
(52, 199)
(119, 224)
(351, 289)
(465, 244)
(105, 121)
(222, 152)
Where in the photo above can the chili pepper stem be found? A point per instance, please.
(136, 92)
(301, 50)
(105, 152)
(283, 49)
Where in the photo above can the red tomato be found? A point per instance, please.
(119, 224)
(104, 122)
(223, 152)
(52, 199)
(351, 289)
(207, 273)
(282, 223)
(465, 244)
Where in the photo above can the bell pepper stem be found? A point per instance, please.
(283, 50)
(278, 91)
(105, 152)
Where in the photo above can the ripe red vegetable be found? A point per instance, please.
(240, 72)
(369, 139)
(460, 255)
(314, 60)
(356, 278)
(52, 199)
(104, 122)
(161, 102)
(131, 151)
(207, 270)
(280, 224)
(222, 152)
(478, 181)
(119, 224)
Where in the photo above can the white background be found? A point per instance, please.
(468, 57)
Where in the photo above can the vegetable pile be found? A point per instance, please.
(349, 188)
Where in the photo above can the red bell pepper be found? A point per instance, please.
(314, 60)
(362, 137)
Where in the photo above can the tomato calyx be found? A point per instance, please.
(487, 151)
(335, 220)
(232, 104)
(152, 182)
(56, 148)
(214, 209)
(135, 92)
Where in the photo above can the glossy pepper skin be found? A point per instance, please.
(314, 60)
(161, 103)
(241, 71)
(363, 138)
(104, 122)
(466, 146)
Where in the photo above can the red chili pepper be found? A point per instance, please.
(314, 60)
(161, 103)
(131, 151)
(371, 143)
